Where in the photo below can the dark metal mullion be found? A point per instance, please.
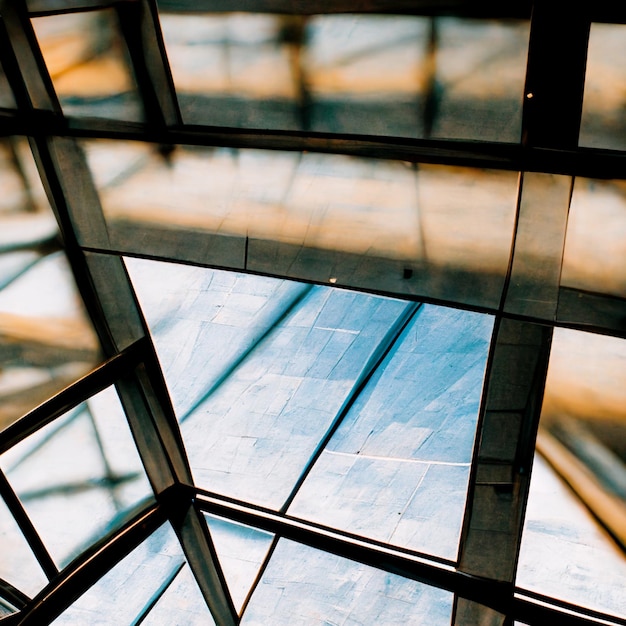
(195, 538)
(26, 526)
(582, 161)
(64, 401)
(131, 392)
(140, 28)
(375, 360)
(555, 74)
(528, 601)
(432, 97)
(90, 566)
(42, 8)
(75, 255)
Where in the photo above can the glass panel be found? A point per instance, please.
(480, 68)
(566, 550)
(84, 54)
(397, 468)
(18, 565)
(241, 551)
(594, 245)
(252, 437)
(584, 421)
(181, 603)
(205, 321)
(377, 224)
(603, 122)
(46, 340)
(80, 477)
(126, 592)
(307, 586)
(366, 74)
(235, 70)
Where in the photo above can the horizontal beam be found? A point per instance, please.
(461, 8)
(585, 162)
(498, 596)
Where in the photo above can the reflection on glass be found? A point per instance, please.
(79, 476)
(46, 341)
(318, 587)
(603, 122)
(234, 70)
(397, 468)
(596, 229)
(584, 422)
(85, 57)
(480, 68)
(366, 74)
(253, 435)
(241, 551)
(564, 553)
(440, 231)
(127, 592)
(566, 550)
(205, 321)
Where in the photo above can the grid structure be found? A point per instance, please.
(313, 183)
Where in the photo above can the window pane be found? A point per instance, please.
(403, 76)
(578, 485)
(603, 122)
(182, 603)
(311, 586)
(441, 232)
(479, 78)
(85, 56)
(205, 321)
(80, 478)
(397, 468)
(46, 339)
(253, 435)
(594, 245)
(18, 565)
(241, 551)
(123, 594)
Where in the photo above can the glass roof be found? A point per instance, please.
(312, 314)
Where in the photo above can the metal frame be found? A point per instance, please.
(484, 574)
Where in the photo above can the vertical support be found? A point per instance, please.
(506, 441)
(555, 76)
(197, 544)
(139, 23)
